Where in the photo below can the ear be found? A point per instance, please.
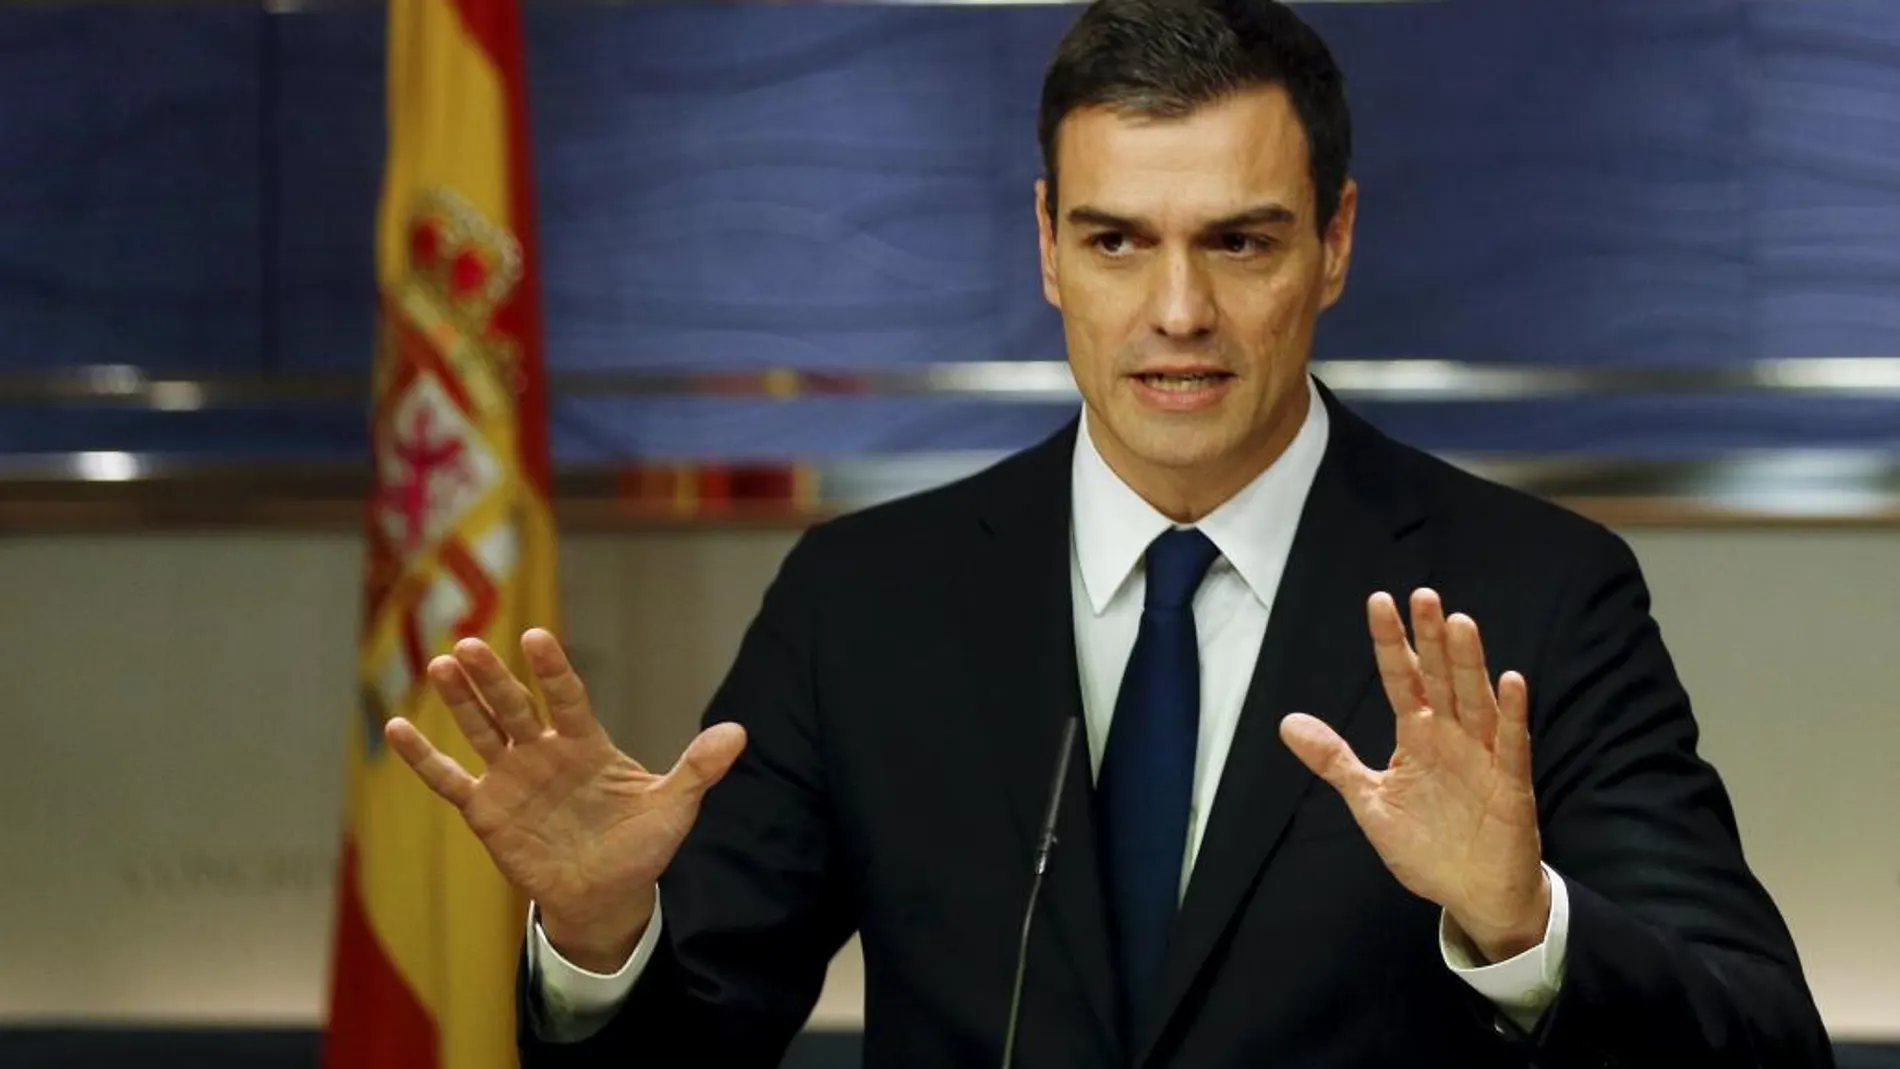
(1046, 240)
(1338, 244)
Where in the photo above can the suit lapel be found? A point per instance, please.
(1316, 658)
(1019, 616)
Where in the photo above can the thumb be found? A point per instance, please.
(706, 761)
(1327, 756)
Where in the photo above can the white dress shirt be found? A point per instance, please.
(1112, 527)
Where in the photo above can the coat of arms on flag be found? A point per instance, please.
(442, 531)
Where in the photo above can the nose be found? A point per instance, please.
(1182, 299)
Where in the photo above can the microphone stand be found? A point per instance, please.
(1044, 846)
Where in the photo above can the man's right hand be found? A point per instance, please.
(579, 827)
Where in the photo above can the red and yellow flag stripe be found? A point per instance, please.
(459, 535)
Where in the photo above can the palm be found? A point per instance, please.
(569, 821)
(1453, 815)
(575, 824)
(1447, 823)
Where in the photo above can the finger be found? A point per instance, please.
(1514, 730)
(706, 761)
(436, 768)
(1398, 666)
(471, 717)
(504, 695)
(1329, 757)
(568, 707)
(1434, 661)
(1471, 681)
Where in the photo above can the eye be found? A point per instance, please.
(1111, 242)
(1238, 243)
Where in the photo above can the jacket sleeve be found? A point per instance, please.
(1677, 956)
(755, 904)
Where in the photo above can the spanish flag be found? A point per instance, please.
(459, 536)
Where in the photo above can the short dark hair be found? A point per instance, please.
(1165, 58)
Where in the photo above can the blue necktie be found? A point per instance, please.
(1147, 780)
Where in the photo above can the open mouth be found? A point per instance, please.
(1183, 382)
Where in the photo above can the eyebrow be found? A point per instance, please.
(1265, 214)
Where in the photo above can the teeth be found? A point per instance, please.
(1179, 382)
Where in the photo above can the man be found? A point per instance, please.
(1213, 569)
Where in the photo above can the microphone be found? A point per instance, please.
(1044, 846)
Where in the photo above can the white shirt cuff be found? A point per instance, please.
(575, 1002)
(1522, 987)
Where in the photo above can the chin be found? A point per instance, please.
(1179, 448)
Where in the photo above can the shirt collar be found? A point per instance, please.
(1113, 525)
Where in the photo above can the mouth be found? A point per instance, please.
(1186, 389)
(1183, 381)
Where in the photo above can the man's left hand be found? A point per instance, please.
(1453, 815)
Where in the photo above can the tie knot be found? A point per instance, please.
(1177, 562)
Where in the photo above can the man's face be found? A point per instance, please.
(1189, 270)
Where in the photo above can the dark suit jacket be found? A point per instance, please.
(906, 683)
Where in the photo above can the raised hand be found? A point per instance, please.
(572, 822)
(1453, 815)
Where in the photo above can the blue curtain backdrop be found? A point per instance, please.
(1620, 182)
